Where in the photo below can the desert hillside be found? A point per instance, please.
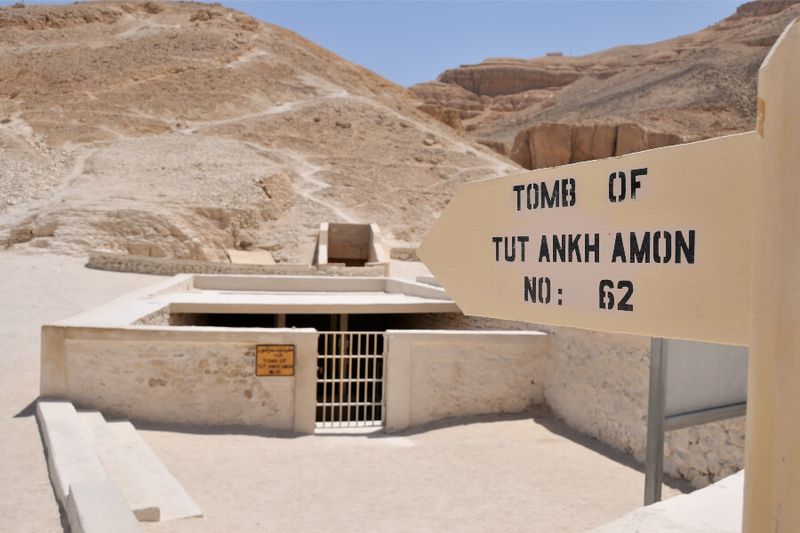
(182, 129)
(558, 109)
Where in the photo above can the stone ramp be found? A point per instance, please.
(105, 473)
(173, 501)
(121, 467)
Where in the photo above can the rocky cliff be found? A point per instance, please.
(558, 109)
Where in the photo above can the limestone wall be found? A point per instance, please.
(433, 375)
(598, 384)
(162, 266)
(181, 376)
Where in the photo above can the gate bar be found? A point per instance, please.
(324, 375)
(358, 374)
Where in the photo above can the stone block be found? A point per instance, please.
(70, 455)
(97, 506)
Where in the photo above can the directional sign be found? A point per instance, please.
(653, 243)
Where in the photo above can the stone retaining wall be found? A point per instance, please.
(161, 266)
(404, 253)
(598, 384)
(190, 376)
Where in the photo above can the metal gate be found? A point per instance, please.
(350, 379)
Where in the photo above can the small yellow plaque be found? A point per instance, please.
(275, 360)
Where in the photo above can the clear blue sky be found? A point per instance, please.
(413, 41)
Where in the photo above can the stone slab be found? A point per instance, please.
(249, 257)
(121, 468)
(98, 506)
(173, 501)
(71, 458)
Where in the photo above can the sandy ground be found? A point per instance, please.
(502, 474)
(499, 474)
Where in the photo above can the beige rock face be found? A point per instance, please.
(447, 96)
(695, 86)
(630, 138)
(593, 142)
(548, 145)
(449, 116)
(185, 129)
(499, 77)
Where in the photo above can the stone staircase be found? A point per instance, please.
(104, 474)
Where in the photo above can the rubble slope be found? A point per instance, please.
(181, 129)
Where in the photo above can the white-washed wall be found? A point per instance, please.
(433, 375)
(184, 376)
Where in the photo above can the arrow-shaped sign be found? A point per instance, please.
(654, 243)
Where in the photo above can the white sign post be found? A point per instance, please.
(772, 442)
(698, 242)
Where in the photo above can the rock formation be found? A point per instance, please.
(553, 144)
(687, 88)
